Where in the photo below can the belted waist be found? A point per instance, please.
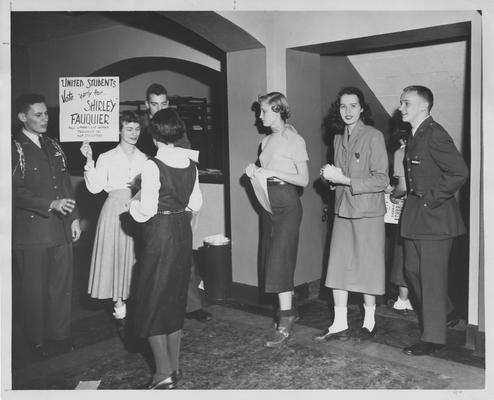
(273, 181)
(169, 212)
(120, 193)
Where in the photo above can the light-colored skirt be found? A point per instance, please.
(356, 258)
(113, 251)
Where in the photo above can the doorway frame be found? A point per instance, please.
(471, 33)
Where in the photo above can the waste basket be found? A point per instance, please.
(216, 265)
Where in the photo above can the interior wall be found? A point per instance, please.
(176, 84)
(292, 29)
(338, 72)
(304, 97)
(20, 71)
(80, 55)
(440, 67)
(246, 79)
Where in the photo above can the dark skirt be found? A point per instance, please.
(163, 276)
(279, 239)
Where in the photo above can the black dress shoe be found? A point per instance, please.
(164, 384)
(365, 334)
(199, 315)
(422, 349)
(326, 335)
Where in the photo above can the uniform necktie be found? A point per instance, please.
(42, 143)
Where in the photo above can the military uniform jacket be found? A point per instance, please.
(363, 158)
(435, 171)
(38, 178)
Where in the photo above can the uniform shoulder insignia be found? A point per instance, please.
(22, 160)
(59, 150)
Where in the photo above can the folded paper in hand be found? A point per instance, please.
(260, 186)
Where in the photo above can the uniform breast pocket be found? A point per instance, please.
(34, 173)
(417, 165)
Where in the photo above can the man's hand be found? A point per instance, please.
(63, 206)
(397, 195)
(76, 230)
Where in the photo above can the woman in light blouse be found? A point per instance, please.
(359, 176)
(113, 252)
(169, 191)
(284, 163)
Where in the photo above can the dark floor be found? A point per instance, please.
(227, 353)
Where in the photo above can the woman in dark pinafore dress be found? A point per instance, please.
(169, 192)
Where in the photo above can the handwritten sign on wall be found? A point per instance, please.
(89, 108)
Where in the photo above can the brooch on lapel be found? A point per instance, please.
(357, 156)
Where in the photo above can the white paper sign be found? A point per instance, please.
(89, 108)
(393, 210)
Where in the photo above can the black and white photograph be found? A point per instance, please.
(277, 198)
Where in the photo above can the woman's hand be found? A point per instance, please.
(250, 171)
(87, 151)
(334, 175)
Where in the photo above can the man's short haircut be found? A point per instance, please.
(423, 92)
(24, 101)
(156, 89)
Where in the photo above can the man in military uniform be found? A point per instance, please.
(45, 222)
(431, 218)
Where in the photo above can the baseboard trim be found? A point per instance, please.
(250, 294)
(475, 340)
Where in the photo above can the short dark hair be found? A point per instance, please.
(423, 92)
(157, 89)
(166, 126)
(278, 103)
(24, 101)
(128, 116)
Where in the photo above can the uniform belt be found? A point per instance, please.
(272, 181)
(169, 212)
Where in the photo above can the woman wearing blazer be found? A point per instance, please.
(359, 176)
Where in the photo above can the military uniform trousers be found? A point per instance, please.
(43, 289)
(426, 268)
